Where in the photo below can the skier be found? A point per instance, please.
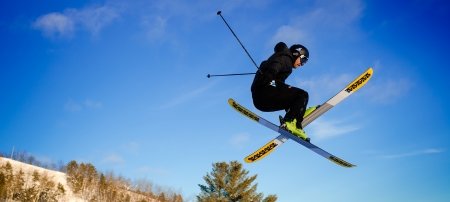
(271, 93)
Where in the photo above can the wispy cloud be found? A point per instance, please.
(324, 85)
(187, 96)
(94, 19)
(323, 17)
(132, 147)
(75, 106)
(239, 140)
(288, 33)
(92, 104)
(64, 24)
(155, 26)
(323, 129)
(72, 106)
(429, 151)
(113, 159)
(153, 170)
(55, 25)
(390, 90)
(383, 89)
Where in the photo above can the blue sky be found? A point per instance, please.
(122, 84)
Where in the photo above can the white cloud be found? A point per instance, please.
(413, 153)
(113, 159)
(155, 27)
(72, 106)
(64, 24)
(239, 140)
(390, 90)
(323, 18)
(329, 129)
(324, 86)
(91, 104)
(382, 90)
(55, 25)
(152, 170)
(75, 106)
(187, 96)
(132, 147)
(94, 19)
(288, 34)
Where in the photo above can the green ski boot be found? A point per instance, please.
(310, 110)
(292, 127)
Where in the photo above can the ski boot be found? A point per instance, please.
(310, 110)
(291, 126)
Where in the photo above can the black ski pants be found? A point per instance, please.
(291, 99)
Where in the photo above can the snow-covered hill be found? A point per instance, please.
(57, 178)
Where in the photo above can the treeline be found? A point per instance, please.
(227, 182)
(83, 179)
(27, 158)
(91, 185)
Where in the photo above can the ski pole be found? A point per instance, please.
(220, 14)
(238, 74)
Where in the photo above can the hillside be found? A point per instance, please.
(54, 176)
(23, 182)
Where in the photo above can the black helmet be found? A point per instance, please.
(298, 50)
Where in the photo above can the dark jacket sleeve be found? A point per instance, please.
(277, 68)
(276, 72)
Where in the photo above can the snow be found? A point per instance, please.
(56, 176)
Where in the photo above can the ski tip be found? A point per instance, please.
(370, 70)
(243, 110)
(369, 73)
(341, 162)
(360, 81)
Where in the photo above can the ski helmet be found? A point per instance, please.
(301, 51)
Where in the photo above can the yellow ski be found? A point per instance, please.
(356, 84)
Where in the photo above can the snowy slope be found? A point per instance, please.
(57, 177)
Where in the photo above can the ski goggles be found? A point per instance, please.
(303, 59)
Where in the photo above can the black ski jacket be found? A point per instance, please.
(277, 68)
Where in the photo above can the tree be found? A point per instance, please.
(7, 181)
(3, 186)
(229, 182)
(18, 185)
(74, 178)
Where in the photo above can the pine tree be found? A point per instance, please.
(73, 177)
(8, 180)
(3, 186)
(36, 176)
(229, 182)
(18, 186)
